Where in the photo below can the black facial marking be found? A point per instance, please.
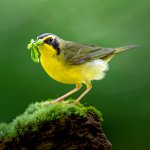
(55, 44)
(43, 35)
(49, 41)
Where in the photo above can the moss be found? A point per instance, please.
(37, 114)
(38, 117)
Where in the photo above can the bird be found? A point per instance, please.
(71, 62)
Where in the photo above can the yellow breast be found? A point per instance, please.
(57, 69)
(65, 73)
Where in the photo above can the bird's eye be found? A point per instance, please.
(49, 40)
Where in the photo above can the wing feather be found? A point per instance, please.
(77, 54)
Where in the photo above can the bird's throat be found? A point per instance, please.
(47, 50)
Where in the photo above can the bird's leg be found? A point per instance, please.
(89, 87)
(78, 86)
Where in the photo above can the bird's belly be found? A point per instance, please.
(72, 74)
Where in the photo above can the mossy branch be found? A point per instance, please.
(59, 126)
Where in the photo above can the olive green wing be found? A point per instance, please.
(78, 54)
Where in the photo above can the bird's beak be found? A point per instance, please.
(33, 46)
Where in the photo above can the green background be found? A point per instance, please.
(123, 96)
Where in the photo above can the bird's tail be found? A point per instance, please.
(122, 49)
(118, 50)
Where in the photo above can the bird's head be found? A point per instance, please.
(45, 43)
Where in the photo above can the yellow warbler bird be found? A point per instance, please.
(72, 63)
